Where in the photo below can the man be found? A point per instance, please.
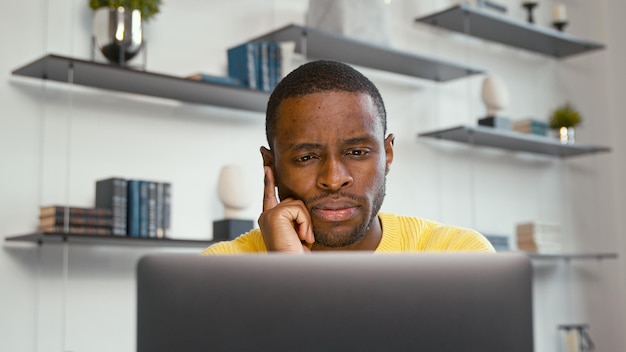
(325, 173)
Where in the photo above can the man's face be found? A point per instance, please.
(330, 152)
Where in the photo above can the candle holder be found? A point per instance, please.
(529, 6)
(560, 25)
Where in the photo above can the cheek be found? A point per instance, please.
(376, 178)
(294, 184)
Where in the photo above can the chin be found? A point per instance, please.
(338, 238)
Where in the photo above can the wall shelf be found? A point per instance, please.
(568, 257)
(49, 238)
(318, 44)
(510, 140)
(105, 76)
(498, 28)
(42, 238)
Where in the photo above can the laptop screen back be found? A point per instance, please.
(335, 302)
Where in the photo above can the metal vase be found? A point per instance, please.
(566, 135)
(118, 33)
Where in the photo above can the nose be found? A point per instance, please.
(334, 175)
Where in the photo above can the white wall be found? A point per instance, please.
(56, 140)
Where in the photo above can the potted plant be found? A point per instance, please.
(120, 43)
(564, 119)
(147, 8)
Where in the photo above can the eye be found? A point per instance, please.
(358, 152)
(304, 158)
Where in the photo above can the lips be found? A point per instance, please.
(335, 210)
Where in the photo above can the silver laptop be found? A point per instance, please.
(335, 302)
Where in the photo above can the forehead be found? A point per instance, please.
(327, 115)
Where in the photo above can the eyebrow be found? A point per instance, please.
(357, 140)
(305, 146)
(309, 146)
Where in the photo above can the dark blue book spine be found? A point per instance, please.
(263, 62)
(167, 205)
(133, 208)
(242, 64)
(152, 209)
(143, 209)
(160, 233)
(275, 64)
(256, 58)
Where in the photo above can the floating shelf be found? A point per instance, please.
(498, 28)
(318, 44)
(42, 238)
(105, 76)
(567, 257)
(510, 140)
(106, 240)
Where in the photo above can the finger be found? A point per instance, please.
(304, 227)
(269, 192)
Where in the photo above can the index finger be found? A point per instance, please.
(269, 191)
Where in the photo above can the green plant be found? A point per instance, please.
(564, 116)
(148, 8)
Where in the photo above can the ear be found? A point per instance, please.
(389, 152)
(268, 158)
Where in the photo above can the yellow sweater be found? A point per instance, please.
(400, 234)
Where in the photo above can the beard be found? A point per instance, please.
(332, 239)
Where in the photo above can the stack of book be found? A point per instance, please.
(75, 220)
(531, 126)
(140, 208)
(539, 237)
(257, 65)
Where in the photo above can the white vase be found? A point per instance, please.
(233, 191)
(495, 95)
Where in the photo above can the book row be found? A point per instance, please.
(253, 65)
(140, 208)
(257, 65)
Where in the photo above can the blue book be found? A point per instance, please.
(167, 204)
(242, 64)
(275, 65)
(159, 210)
(143, 209)
(227, 81)
(152, 209)
(133, 208)
(264, 66)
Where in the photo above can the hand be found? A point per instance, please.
(286, 225)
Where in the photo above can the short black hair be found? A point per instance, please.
(320, 76)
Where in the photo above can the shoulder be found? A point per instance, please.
(418, 234)
(250, 242)
(460, 239)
